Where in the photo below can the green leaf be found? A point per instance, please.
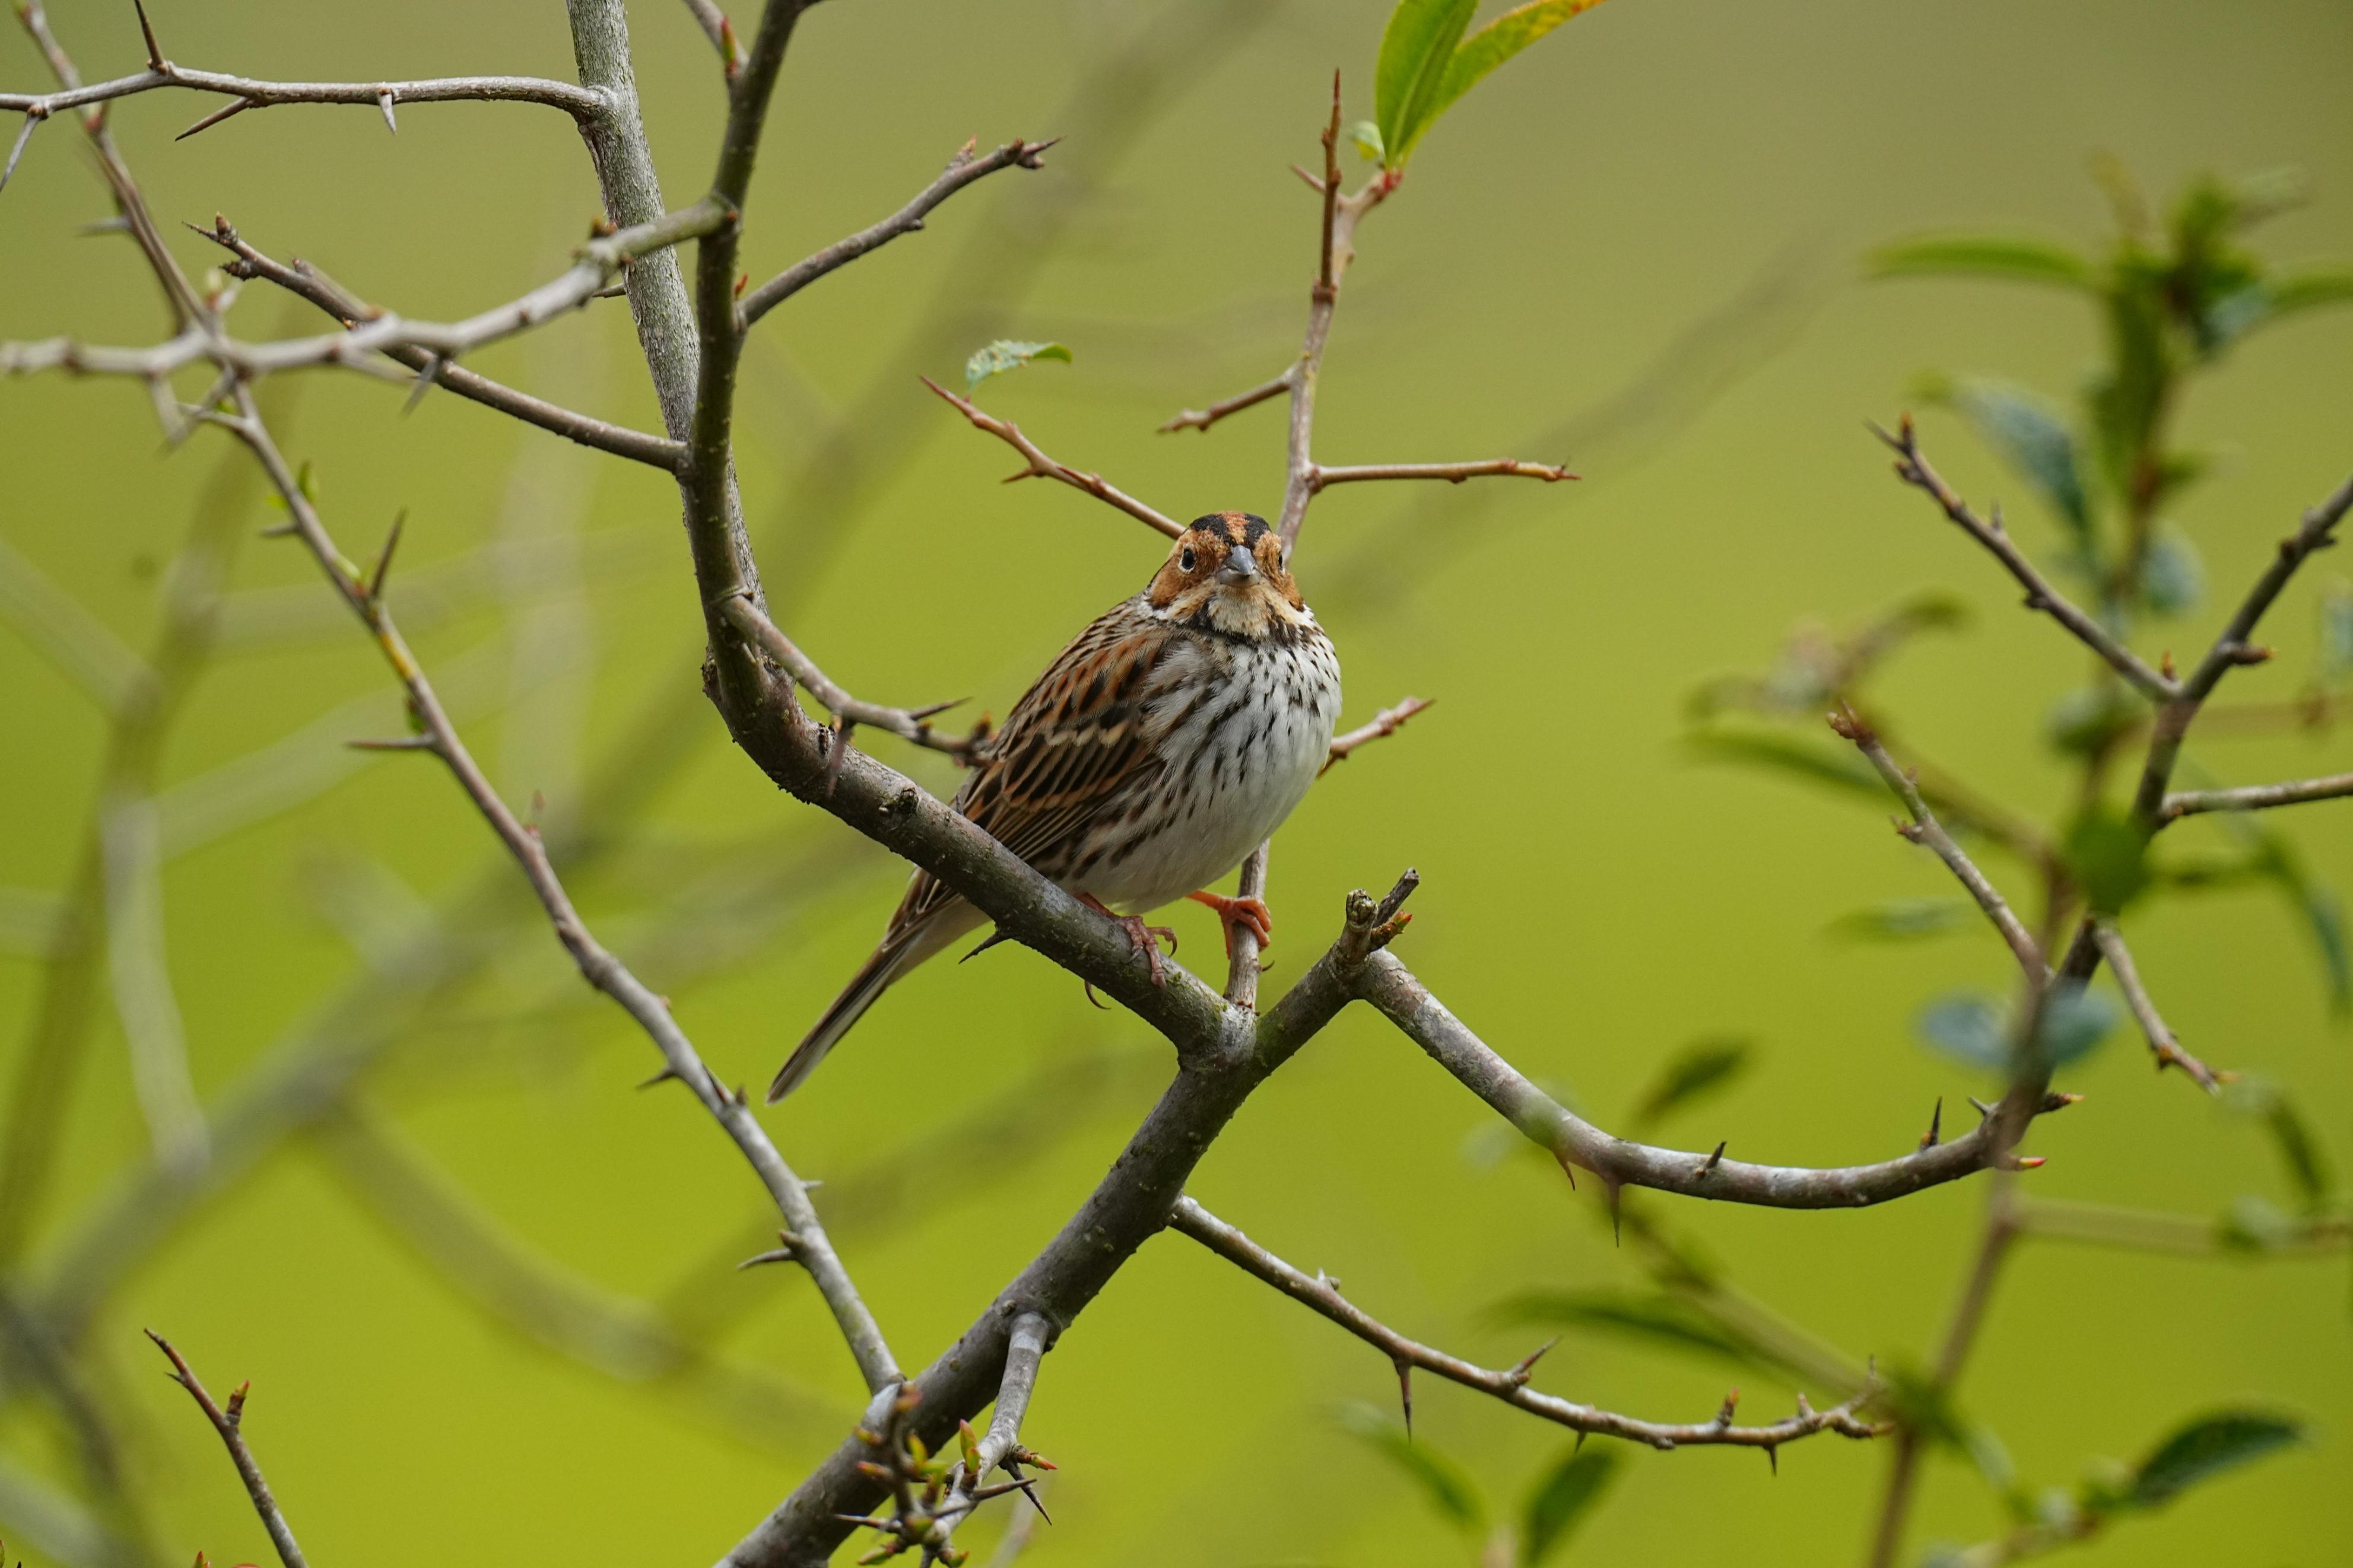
(1415, 49)
(1813, 763)
(1984, 256)
(1969, 1029)
(1444, 1485)
(2309, 290)
(1701, 1068)
(2107, 855)
(1007, 353)
(1905, 920)
(1560, 1501)
(2299, 1150)
(2074, 1021)
(2026, 433)
(1493, 44)
(2172, 576)
(1367, 139)
(2205, 1447)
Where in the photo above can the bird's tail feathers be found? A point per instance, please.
(864, 988)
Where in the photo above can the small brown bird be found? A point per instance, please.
(1161, 747)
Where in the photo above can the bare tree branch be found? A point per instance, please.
(1925, 829)
(1914, 470)
(307, 281)
(910, 724)
(1320, 478)
(1202, 418)
(1042, 466)
(2162, 1045)
(228, 1422)
(1386, 722)
(963, 170)
(250, 93)
(1389, 985)
(1510, 1386)
(2255, 797)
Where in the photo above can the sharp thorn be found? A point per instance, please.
(1936, 1124)
(1405, 1393)
(426, 377)
(383, 101)
(383, 557)
(662, 1077)
(216, 117)
(991, 940)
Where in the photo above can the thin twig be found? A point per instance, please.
(1509, 1385)
(910, 724)
(1320, 478)
(1913, 470)
(2255, 797)
(963, 170)
(1925, 830)
(1202, 418)
(252, 92)
(1386, 722)
(1041, 466)
(2162, 1045)
(228, 1422)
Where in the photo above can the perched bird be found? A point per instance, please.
(1161, 747)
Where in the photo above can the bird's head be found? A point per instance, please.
(1226, 573)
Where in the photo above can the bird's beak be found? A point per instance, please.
(1240, 567)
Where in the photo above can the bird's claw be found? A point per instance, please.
(1232, 912)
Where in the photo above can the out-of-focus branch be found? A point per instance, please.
(141, 980)
(2152, 1230)
(2162, 1045)
(1386, 722)
(598, 262)
(1511, 1385)
(228, 1422)
(2254, 798)
(910, 724)
(306, 281)
(963, 170)
(1042, 466)
(1389, 985)
(1320, 478)
(68, 636)
(1913, 469)
(1925, 830)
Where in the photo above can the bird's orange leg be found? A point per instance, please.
(1144, 937)
(1231, 913)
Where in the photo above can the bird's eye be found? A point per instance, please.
(1185, 558)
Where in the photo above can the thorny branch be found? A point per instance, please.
(963, 170)
(1913, 469)
(229, 1423)
(910, 724)
(1511, 1385)
(2162, 1045)
(1925, 830)
(1386, 722)
(2254, 798)
(1041, 466)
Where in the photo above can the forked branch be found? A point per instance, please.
(229, 1423)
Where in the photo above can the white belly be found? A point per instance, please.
(1233, 768)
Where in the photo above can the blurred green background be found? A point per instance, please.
(484, 1287)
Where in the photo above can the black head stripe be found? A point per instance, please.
(1240, 528)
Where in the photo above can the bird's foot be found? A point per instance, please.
(1143, 938)
(1232, 912)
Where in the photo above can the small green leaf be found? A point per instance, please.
(1969, 1029)
(2310, 290)
(1560, 1501)
(1984, 256)
(1492, 44)
(2172, 576)
(2205, 1447)
(2107, 855)
(1367, 136)
(2074, 1021)
(1444, 1485)
(2299, 1150)
(1007, 353)
(2084, 721)
(1700, 1069)
(2026, 433)
(1905, 920)
(1415, 49)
